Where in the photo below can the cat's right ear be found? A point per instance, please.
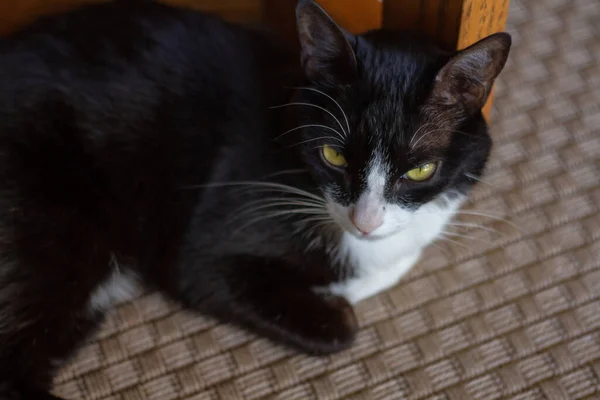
(327, 56)
(466, 80)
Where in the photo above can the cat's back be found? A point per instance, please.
(122, 79)
(131, 42)
(105, 111)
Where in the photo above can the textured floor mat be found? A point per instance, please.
(507, 307)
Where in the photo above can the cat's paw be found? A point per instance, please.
(326, 326)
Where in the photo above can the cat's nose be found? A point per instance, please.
(366, 215)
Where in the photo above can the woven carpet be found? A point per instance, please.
(509, 309)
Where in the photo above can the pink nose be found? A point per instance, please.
(366, 222)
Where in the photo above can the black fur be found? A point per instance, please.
(125, 131)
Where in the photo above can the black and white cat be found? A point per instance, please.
(142, 144)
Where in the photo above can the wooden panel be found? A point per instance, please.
(15, 13)
(455, 24)
(232, 10)
(440, 19)
(356, 16)
(480, 18)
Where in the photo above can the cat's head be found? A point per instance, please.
(389, 122)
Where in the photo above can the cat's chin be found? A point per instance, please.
(371, 237)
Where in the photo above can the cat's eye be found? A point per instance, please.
(333, 157)
(422, 173)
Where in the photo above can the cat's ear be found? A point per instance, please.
(327, 56)
(467, 79)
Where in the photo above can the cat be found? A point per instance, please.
(147, 145)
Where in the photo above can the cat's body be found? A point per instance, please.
(137, 147)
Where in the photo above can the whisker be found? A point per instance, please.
(473, 177)
(268, 192)
(289, 200)
(315, 106)
(413, 144)
(416, 134)
(440, 248)
(330, 98)
(324, 217)
(466, 237)
(480, 214)
(285, 213)
(454, 242)
(309, 126)
(284, 172)
(268, 203)
(317, 138)
(325, 220)
(264, 185)
(485, 228)
(424, 136)
(252, 207)
(491, 216)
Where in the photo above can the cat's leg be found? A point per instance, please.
(26, 369)
(31, 352)
(41, 325)
(269, 297)
(14, 392)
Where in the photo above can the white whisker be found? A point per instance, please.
(473, 177)
(480, 214)
(317, 138)
(440, 248)
(491, 216)
(324, 217)
(284, 172)
(416, 134)
(466, 237)
(289, 200)
(286, 213)
(268, 203)
(315, 106)
(454, 242)
(467, 225)
(413, 144)
(277, 204)
(310, 126)
(330, 98)
(258, 184)
(423, 136)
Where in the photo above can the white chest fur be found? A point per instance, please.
(378, 264)
(121, 285)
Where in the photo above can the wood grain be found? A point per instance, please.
(455, 24)
(356, 16)
(480, 18)
(439, 19)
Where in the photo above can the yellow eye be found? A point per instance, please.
(333, 157)
(422, 173)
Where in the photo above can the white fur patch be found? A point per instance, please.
(120, 286)
(377, 177)
(378, 262)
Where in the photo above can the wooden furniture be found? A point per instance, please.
(454, 23)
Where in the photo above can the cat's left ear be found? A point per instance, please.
(467, 79)
(327, 55)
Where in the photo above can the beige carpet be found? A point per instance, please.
(508, 310)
